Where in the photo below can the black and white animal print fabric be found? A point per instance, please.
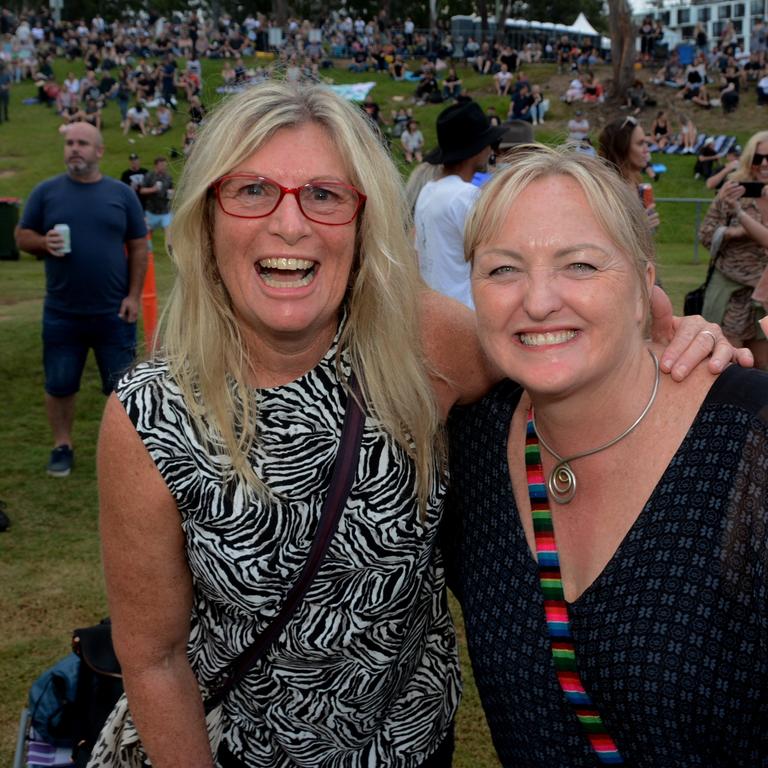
(366, 672)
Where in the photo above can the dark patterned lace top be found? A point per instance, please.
(366, 673)
(672, 637)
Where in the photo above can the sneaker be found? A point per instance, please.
(61, 461)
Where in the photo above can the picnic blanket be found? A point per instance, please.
(722, 144)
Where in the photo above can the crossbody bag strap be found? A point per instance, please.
(344, 471)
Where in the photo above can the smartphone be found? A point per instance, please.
(752, 188)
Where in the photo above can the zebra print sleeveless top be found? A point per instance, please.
(366, 672)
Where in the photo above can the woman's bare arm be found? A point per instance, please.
(459, 370)
(150, 596)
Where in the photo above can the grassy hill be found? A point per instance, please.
(49, 560)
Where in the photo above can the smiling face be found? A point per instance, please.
(559, 305)
(639, 155)
(286, 275)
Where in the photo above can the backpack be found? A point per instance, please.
(70, 702)
(51, 701)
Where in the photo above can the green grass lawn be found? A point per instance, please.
(49, 560)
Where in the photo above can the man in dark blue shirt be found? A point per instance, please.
(93, 283)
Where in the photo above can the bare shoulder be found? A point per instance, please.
(133, 496)
(460, 371)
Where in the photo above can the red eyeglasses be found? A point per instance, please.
(248, 196)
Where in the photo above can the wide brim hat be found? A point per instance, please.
(463, 130)
(516, 132)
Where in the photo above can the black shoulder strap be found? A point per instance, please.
(344, 471)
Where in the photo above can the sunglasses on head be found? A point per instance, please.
(629, 120)
(758, 159)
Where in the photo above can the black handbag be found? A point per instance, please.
(99, 686)
(694, 300)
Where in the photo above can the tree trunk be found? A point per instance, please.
(623, 32)
(482, 10)
(280, 12)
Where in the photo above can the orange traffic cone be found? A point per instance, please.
(149, 300)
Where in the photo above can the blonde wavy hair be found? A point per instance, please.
(614, 203)
(202, 340)
(744, 171)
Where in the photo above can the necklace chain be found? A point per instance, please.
(561, 482)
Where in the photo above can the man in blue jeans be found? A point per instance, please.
(93, 288)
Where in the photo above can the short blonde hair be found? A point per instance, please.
(201, 337)
(614, 203)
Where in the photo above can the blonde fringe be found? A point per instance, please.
(201, 338)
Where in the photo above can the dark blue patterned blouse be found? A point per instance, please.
(671, 638)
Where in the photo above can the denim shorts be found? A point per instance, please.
(66, 341)
(156, 220)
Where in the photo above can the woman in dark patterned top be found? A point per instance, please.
(294, 272)
(629, 622)
(740, 259)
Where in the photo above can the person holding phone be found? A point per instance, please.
(740, 257)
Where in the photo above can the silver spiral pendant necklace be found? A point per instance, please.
(561, 483)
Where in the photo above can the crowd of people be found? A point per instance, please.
(362, 392)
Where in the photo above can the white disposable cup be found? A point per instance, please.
(63, 230)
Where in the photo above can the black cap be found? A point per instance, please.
(462, 131)
(133, 156)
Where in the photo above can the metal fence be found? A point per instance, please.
(698, 202)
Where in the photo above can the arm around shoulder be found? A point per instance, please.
(149, 586)
(459, 370)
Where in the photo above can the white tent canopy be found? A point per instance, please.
(582, 25)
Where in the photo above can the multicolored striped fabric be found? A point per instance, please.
(555, 608)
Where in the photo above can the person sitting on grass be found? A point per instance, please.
(706, 159)
(688, 136)
(729, 98)
(520, 107)
(451, 85)
(503, 80)
(92, 113)
(575, 90)
(164, 120)
(701, 98)
(137, 118)
(412, 140)
(428, 89)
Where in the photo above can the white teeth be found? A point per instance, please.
(282, 263)
(272, 283)
(542, 339)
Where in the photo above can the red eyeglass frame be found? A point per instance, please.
(216, 187)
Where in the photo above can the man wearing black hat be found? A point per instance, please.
(465, 136)
(134, 175)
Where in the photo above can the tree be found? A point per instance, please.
(623, 32)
